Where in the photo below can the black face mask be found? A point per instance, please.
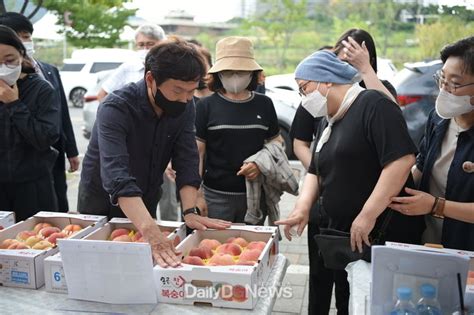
(171, 108)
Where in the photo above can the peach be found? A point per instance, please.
(72, 228)
(203, 252)
(18, 245)
(229, 248)
(118, 232)
(176, 240)
(136, 236)
(32, 240)
(24, 235)
(122, 238)
(240, 293)
(250, 255)
(225, 291)
(256, 245)
(212, 244)
(221, 260)
(39, 226)
(141, 240)
(238, 240)
(6, 243)
(193, 260)
(53, 237)
(47, 231)
(42, 245)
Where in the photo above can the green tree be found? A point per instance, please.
(278, 23)
(91, 23)
(432, 37)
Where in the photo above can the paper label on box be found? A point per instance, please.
(15, 271)
(58, 280)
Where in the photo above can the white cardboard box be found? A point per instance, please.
(25, 268)
(110, 267)
(397, 264)
(7, 218)
(191, 284)
(469, 296)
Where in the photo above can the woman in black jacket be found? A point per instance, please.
(29, 125)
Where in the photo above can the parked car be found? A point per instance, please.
(79, 73)
(417, 92)
(91, 104)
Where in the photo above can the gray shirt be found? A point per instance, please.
(130, 148)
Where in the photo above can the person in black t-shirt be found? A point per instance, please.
(303, 129)
(231, 125)
(362, 159)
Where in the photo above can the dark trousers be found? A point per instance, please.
(27, 198)
(60, 187)
(321, 279)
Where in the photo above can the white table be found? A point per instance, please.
(27, 301)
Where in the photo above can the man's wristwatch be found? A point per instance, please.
(194, 210)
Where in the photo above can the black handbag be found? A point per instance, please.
(335, 246)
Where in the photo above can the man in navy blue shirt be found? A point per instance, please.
(139, 128)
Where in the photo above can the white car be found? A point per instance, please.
(79, 73)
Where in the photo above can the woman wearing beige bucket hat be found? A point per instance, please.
(232, 124)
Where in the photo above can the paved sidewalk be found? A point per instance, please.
(296, 251)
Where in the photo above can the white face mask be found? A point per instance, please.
(235, 82)
(449, 105)
(315, 103)
(10, 76)
(30, 48)
(142, 54)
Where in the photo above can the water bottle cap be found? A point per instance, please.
(428, 290)
(404, 293)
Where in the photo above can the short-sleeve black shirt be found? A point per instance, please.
(233, 131)
(372, 134)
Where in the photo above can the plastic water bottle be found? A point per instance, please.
(428, 304)
(404, 305)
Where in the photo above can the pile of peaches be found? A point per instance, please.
(126, 235)
(43, 236)
(235, 251)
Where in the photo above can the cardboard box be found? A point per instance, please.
(96, 269)
(25, 268)
(396, 265)
(7, 218)
(235, 286)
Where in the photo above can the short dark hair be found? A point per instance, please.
(359, 36)
(175, 59)
(464, 49)
(17, 22)
(215, 83)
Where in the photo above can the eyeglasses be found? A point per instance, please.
(442, 83)
(301, 89)
(11, 64)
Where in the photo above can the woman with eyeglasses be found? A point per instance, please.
(29, 125)
(357, 47)
(445, 165)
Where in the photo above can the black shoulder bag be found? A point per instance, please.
(335, 245)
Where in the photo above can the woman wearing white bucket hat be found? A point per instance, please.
(231, 125)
